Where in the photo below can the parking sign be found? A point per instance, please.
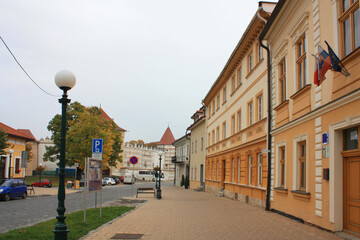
(97, 145)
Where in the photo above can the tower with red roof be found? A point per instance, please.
(169, 152)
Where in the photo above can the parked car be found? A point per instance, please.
(108, 181)
(44, 183)
(10, 188)
(117, 180)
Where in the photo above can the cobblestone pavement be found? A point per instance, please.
(186, 214)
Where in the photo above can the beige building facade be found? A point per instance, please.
(198, 150)
(315, 129)
(236, 121)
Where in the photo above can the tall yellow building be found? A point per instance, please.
(236, 120)
(315, 129)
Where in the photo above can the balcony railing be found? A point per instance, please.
(179, 159)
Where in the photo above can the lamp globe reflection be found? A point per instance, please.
(65, 80)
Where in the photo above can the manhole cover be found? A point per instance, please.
(127, 236)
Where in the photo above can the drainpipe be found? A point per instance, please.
(188, 172)
(268, 187)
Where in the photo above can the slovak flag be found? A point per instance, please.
(322, 65)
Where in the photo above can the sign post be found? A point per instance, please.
(133, 160)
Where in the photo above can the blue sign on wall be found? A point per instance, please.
(325, 138)
(97, 145)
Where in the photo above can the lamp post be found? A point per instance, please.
(65, 80)
(11, 151)
(158, 194)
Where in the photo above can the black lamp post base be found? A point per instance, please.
(158, 194)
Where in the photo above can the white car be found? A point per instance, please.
(108, 181)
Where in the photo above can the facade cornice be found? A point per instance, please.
(248, 38)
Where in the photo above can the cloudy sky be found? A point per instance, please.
(149, 63)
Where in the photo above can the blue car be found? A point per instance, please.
(11, 188)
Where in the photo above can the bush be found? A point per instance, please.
(182, 182)
(186, 182)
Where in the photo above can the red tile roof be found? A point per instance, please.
(105, 116)
(22, 133)
(167, 138)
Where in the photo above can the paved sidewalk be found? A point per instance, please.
(186, 214)
(43, 191)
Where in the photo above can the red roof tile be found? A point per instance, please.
(27, 132)
(13, 132)
(105, 116)
(167, 138)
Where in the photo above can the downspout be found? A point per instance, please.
(268, 187)
(188, 172)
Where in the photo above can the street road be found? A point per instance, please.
(19, 212)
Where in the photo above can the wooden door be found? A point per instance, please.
(352, 194)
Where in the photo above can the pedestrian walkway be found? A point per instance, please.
(43, 191)
(185, 214)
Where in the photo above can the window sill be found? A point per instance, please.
(235, 90)
(254, 68)
(301, 194)
(306, 87)
(284, 103)
(281, 190)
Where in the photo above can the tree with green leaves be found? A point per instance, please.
(3, 142)
(83, 125)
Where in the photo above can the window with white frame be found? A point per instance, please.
(232, 170)
(301, 63)
(282, 166)
(238, 159)
(250, 169)
(259, 168)
(233, 125)
(259, 107)
(239, 121)
(224, 130)
(302, 165)
(239, 76)
(250, 113)
(349, 21)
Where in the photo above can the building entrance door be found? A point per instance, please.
(352, 192)
(201, 174)
(223, 173)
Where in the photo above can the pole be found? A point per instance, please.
(132, 185)
(61, 230)
(85, 187)
(159, 189)
(10, 166)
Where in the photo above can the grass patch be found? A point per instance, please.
(54, 179)
(74, 221)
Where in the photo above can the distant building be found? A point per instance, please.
(169, 152)
(198, 149)
(148, 157)
(182, 159)
(17, 140)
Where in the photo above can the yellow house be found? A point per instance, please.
(236, 122)
(315, 130)
(11, 163)
(198, 150)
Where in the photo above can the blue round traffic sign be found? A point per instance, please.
(134, 160)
